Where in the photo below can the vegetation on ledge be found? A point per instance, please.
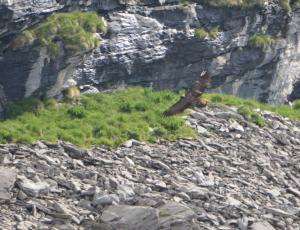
(285, 4)
(76, 30)
(262, 40)
(232, 3)
(202, 33)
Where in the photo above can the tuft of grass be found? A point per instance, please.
(76, 30)
(77, 112)
(262, 40)
(250, 115)
(202, 33)
(164, 213)
(185, 3)
(246, 106)
(285, 4)
(296, 104)
(103, 118)
(71, 94)
(234, 3)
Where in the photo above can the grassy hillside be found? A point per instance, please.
(104, 118)
(292, 112)
(113, 118)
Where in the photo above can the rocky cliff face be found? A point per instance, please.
(153, 42)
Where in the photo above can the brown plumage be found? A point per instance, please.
(192, 96)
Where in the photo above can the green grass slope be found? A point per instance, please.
(292, 112)
(112, 118)
(104, 118)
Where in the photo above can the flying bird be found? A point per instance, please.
(192, 96)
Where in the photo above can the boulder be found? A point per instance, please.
(125, 217)
(7, 180)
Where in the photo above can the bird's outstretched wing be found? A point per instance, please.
(192, 95)
(178, 107)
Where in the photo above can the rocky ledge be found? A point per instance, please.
(234, 175)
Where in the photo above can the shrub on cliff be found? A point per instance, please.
(262, 40)
(76, 30)
(285, 4)
(231, 3)
(202, 33)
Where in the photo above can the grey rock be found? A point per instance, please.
(74, 151)
(262, 226)
(243, 222)
(128, 162)
(24, 225)
(279, 212)
(234, 126)
(32, 188)
(199, 116)
(131, 217)
(160, 165)
(106, 200)
(281, 138)
(125, 192)
(173, 215)
(7, 180)
(160, 184)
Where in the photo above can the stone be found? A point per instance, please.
(262, 226)
(7, 180)
(173, 215)
(281, 138)
(131, 217)
(234, 126)
(128, 162)
(24, 225)
(106, 200)
(279, 212)
(202, 130)
(160, 165)
(243, 222)
(73, 151)
(199, 116)
(32, 188)
(160, 184)
(125, 192)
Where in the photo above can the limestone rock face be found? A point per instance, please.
(153, 42)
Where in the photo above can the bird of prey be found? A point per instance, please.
(192, 96)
